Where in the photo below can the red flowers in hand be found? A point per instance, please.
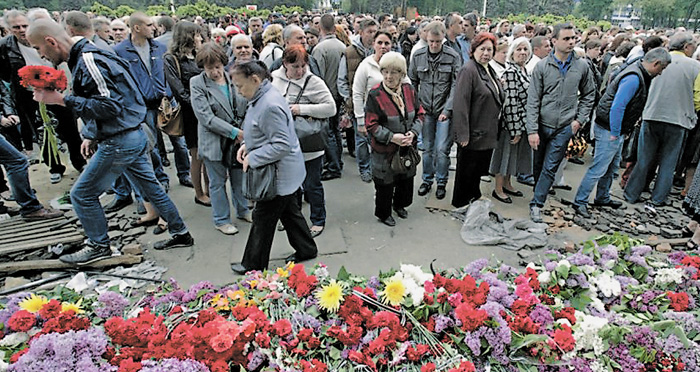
(42, 77)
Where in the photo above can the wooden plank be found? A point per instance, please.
(10, 267)
(32, 234)
(30, 225)
(43, 243)
(20, 221)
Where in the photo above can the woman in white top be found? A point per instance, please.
(367, 76)
(272, 39)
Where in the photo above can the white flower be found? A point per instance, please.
(597, 366)
(564, 263)
(3, 366)
(531, 265)
(608, 285)
(544, 277)
(586, 332)
(413, 278)
(416, 273)
(668, 276)
(14, 339)
(588, 269)
(321, 272)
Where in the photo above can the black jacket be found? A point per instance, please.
(634, 108)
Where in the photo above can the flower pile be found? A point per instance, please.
(611, 306)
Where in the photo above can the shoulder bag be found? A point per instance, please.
(260, 184)
(309, 130)
(169, 115)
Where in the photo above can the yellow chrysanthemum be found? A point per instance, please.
(330, 296)
(394, 292)
(282, 272)
(67, 306)
(33, 303)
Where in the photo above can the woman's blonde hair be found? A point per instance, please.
(393, 60)
(272, 34)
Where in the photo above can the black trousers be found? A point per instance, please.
(286, 209)
(398, 194)
(471, 165)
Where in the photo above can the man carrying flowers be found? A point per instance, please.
(106, 97)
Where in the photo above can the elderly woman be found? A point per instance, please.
(513, 155)
(308, 96)
(368, 75)
(475, 119)
(393, 117)
(219, 110)
(272, 39)
(270, 139)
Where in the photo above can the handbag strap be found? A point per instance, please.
(303, 88)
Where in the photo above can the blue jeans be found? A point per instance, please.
(606, 160)
(313, 191)
(667, 141)
(364, 161)
(220, 208)
(334, 147)
(125, 153)
(437, 140)
(547, 157)
(122, 188)
(17, 167)
(182, 157)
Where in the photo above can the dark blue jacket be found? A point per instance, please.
(105, 94)
(153, 85)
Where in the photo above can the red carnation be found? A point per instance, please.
(679, 301)
(282, 328)
(471, 318)
(128, 365)
(42, 77)
(50, 310)
(22, 321)
(568, 313)
(221, 342)
(564, 338)
(428, 367)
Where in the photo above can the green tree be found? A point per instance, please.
(153, 10)
(124, 10)
(595, 9)
(101, 9)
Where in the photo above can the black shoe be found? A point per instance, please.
(90, 253)
(576, 161)
(582, 211)
(506, 200)
(164, 161)
(516, 193)
(424, 189)
(329, 176)
(401, 212)
(686, 232)
(160, 229)
(562, 187)
(293, 258)
(239, 269)
(389, 221)
(206, 204)
(177, 241)
(440, 192)
(138, 222)
(187, 182)
(551, 192)
(118, 204)
(614, 204)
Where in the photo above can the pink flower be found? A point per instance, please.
(221, 342)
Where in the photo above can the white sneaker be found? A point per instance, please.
(228, 229)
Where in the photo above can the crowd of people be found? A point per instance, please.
(292, 91)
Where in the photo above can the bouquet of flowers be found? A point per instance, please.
(44, 77)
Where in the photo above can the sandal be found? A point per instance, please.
(161, 228)
(140, 222)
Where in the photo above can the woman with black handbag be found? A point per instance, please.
(219, 110)
(274, 163)
(311, 103)
(393, 117)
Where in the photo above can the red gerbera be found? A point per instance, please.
(42, 77)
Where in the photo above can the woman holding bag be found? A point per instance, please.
(308, 96)
(219, 110)
(270, 142)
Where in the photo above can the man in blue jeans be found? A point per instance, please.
(108, 100)
(17, 166)
(618, 111)
(668, 116)
(560, 99)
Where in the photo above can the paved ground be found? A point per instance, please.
(353, 237)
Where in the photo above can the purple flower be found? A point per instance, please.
(621, 354)
(550, 266)
(675, 258)
(641, 250)
(542, 314)
(580, 259)
(12, 307)
(670, 344)
(443, 322)
(111, 304)
(255, 360)
(374, 283)
(475, 267)
(608, 253)
(173, 365)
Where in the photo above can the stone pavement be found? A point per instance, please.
(352, 238)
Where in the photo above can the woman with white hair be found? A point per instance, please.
(393, 117)
(513, 154)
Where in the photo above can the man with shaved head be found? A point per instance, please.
(113, 109)
(77, 23)
(119, 31)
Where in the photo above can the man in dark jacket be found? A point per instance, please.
(433, 72)
(106, 97)
(619, 109)
(16, 53)
(559, 101)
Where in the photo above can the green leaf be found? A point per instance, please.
(334, 353)
(343, 274)
(563, 271)
(519, 342)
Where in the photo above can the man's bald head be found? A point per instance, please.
(138, 19)
(50, 40)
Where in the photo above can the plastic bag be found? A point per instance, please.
(483, 227)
